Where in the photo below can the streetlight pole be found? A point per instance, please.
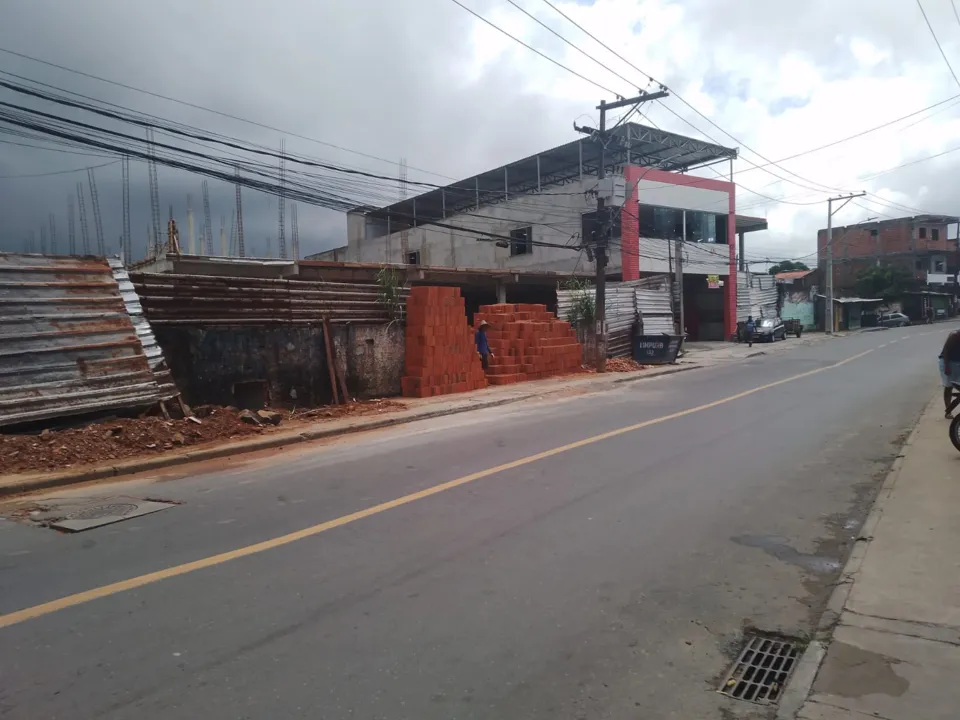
(828, 310)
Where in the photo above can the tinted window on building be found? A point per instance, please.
(923, 233)
(934, 234)
(668, 224)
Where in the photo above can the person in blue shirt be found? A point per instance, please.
(749, 328)
(483, 347)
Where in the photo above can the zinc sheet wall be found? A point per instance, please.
(170, 299)
(621, 314)
(756, 295)
(151, 348)
(67, 345)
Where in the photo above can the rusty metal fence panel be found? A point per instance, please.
(67, 345)
(170, 299)
(151, 348)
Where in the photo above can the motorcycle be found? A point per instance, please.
(955, 423)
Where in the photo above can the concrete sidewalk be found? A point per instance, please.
(895, 650)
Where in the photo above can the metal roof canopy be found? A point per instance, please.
(746, 224)
(630, 144)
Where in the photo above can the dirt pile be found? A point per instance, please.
(126, 438)
(625, 365)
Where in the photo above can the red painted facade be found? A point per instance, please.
(630, 229)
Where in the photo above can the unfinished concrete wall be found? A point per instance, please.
(554, 215)
(223, 365)
(371, 358)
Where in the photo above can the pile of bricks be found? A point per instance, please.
(528, 343)
(441, 354)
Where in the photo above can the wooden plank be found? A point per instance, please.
(327, 342)
(336, 365)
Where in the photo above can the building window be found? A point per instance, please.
(923, 233)
(935, 234)
(413, 258)
(939, 265)
(521, 241)
(874, 232)
(919, 264)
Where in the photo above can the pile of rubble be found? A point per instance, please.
(126, 438)
(625, 365)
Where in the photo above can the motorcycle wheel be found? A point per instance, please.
(955, 432)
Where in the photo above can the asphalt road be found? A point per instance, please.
(598, 557)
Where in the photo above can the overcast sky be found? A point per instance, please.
(424, 80)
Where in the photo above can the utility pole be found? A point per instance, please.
(207, 225)
(679, 278)
(84, 228)
(295, 230)
(604, 226)
(97, 221)
(281, 236)
(53, 235)
(154, 193)
(241, 251)
(828, 310)
(71, 227)
(191, 238)
(126, 242)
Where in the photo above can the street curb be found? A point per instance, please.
(131, 467)
(800, 685)
(662, 373)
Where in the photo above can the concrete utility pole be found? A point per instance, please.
(191, 238)
(680, 241)
(603, 221)
(828, 310)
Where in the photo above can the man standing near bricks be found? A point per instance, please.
(483, 347)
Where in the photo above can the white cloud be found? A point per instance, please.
(425, 80)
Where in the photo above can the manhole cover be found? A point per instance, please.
(101, 511)
(97, 514)
(763, 668)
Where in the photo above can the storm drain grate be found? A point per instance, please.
(761, 671)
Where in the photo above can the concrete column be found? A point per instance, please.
(743, 260)
(501, 291)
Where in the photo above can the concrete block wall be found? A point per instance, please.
(554, 213)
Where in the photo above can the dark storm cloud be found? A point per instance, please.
(387, 80)
(397, 78)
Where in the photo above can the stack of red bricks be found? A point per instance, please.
(441, 353)
(528, 343)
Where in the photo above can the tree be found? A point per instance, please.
(888, 282)
(787, 266)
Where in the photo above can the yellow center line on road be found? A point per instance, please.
(133, 583)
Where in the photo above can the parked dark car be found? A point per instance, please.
(770, 329)
(894, 320)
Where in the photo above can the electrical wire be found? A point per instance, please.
(58, 172)
(939, 46)
(533, 49)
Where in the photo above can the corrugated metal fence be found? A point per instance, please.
(627, 303)
(655, 306)
(212, 300)
(151, 348)
(67, 345)
(757, 295)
